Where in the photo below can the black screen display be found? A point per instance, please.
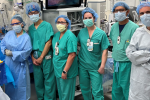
(53, 4)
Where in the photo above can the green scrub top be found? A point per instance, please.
(40, 36)
(67, 44)
(119, 50)
(91, 60)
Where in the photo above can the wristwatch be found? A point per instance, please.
(64, 72)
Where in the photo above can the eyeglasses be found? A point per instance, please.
(61, 22)
(142, 13)
(120, 10)
(13, 24)
(31, 13)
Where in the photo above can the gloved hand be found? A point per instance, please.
(8, 52)
(1, 61)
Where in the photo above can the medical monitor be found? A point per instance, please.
(55, 4)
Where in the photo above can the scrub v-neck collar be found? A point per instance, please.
(123, 28)
(92, 34)
(38, 26)
(20, 35)
(62, 36)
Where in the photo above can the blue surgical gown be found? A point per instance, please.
(2, 57)
(18, 64)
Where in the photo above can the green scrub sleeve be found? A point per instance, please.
(30, 37)
(110, 36)
(112, 29)
(49, 32)
(105, 42)
(78, 40)
(72, 45)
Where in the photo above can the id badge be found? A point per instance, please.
(56, 50)
(48, 57)
(90, 47)
(118, 40)
(35, 54)
(88, 42)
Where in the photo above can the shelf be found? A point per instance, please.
(76, 29)
(76, 24)
(73, 9)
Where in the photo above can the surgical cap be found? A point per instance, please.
(33, 6)
(66, 18)
(145, 4)
(123, 4)
(87, 9)
(18, 17)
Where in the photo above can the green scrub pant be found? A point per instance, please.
(121, 81)
(91, 79)
(66, 88)
(45, 82)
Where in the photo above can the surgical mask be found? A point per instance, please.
(88, 22)
(34, 18)
(120, 16)
(61, 27)
(17, 28)
(145, 19)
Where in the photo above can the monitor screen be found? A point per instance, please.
(54, 4)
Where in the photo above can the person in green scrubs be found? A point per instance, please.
(64, 45)
(121, 33)
(92, 56)
(41, 33)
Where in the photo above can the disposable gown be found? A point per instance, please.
(138, 52)
(18, 65)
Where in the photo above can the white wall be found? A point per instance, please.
(107, 3)
(109, 6)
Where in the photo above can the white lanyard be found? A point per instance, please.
(56, 48)
(118, 40)
(89, 44)
(88, 41)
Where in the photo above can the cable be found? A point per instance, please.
(85, 3)
(76, 20)
(106, 16)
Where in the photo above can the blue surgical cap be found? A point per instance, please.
(87, 9)
(33, 6)
(145, 4)
(123, 4)
(66, 18)
(18, 17)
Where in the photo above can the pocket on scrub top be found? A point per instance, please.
(127, 42)
(62, 52)
(96, 47)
